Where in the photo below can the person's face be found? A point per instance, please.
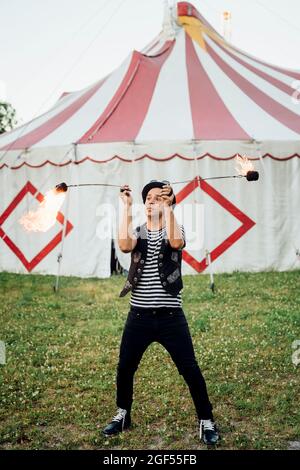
(154, 203)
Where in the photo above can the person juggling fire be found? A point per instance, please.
(156, 313)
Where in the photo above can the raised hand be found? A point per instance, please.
(125, 195)
(167, 195)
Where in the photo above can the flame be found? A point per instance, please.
(44, 217)
(245, 165)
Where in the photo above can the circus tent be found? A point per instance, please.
(181, 108)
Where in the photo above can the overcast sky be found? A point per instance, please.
(51, 46)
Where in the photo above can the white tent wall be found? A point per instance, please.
(84, 254)
(272, 203)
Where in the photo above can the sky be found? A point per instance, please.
(51, 46)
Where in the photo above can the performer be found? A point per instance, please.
(156, 314)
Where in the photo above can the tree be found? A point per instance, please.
(7, 117)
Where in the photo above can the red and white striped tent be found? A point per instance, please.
(184, 106)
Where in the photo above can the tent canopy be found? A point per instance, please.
(188, 84)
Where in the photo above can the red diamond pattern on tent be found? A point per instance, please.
(30, 265)
(247, 223)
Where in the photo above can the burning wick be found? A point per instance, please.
(61, 188)
(246, 168)
(252, 175)
(44, 217)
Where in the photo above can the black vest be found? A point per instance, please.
(169, 264)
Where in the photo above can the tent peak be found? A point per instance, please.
(173, 11)
(170, 25)
(187, 9)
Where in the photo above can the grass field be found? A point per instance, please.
(57, 388)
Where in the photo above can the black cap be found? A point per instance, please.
(155, 184)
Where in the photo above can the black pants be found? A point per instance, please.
(169, 327)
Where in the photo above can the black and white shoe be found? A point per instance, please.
(208, 432)
(119, 422)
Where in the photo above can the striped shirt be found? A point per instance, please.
(149, 292)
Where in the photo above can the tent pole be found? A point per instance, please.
(197, 182)
(211, 274)
(60, 255)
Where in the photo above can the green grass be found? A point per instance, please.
(57, 388)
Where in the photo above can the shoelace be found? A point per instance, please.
(208, 425)
(120, 416)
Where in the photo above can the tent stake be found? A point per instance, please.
(211, 274)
